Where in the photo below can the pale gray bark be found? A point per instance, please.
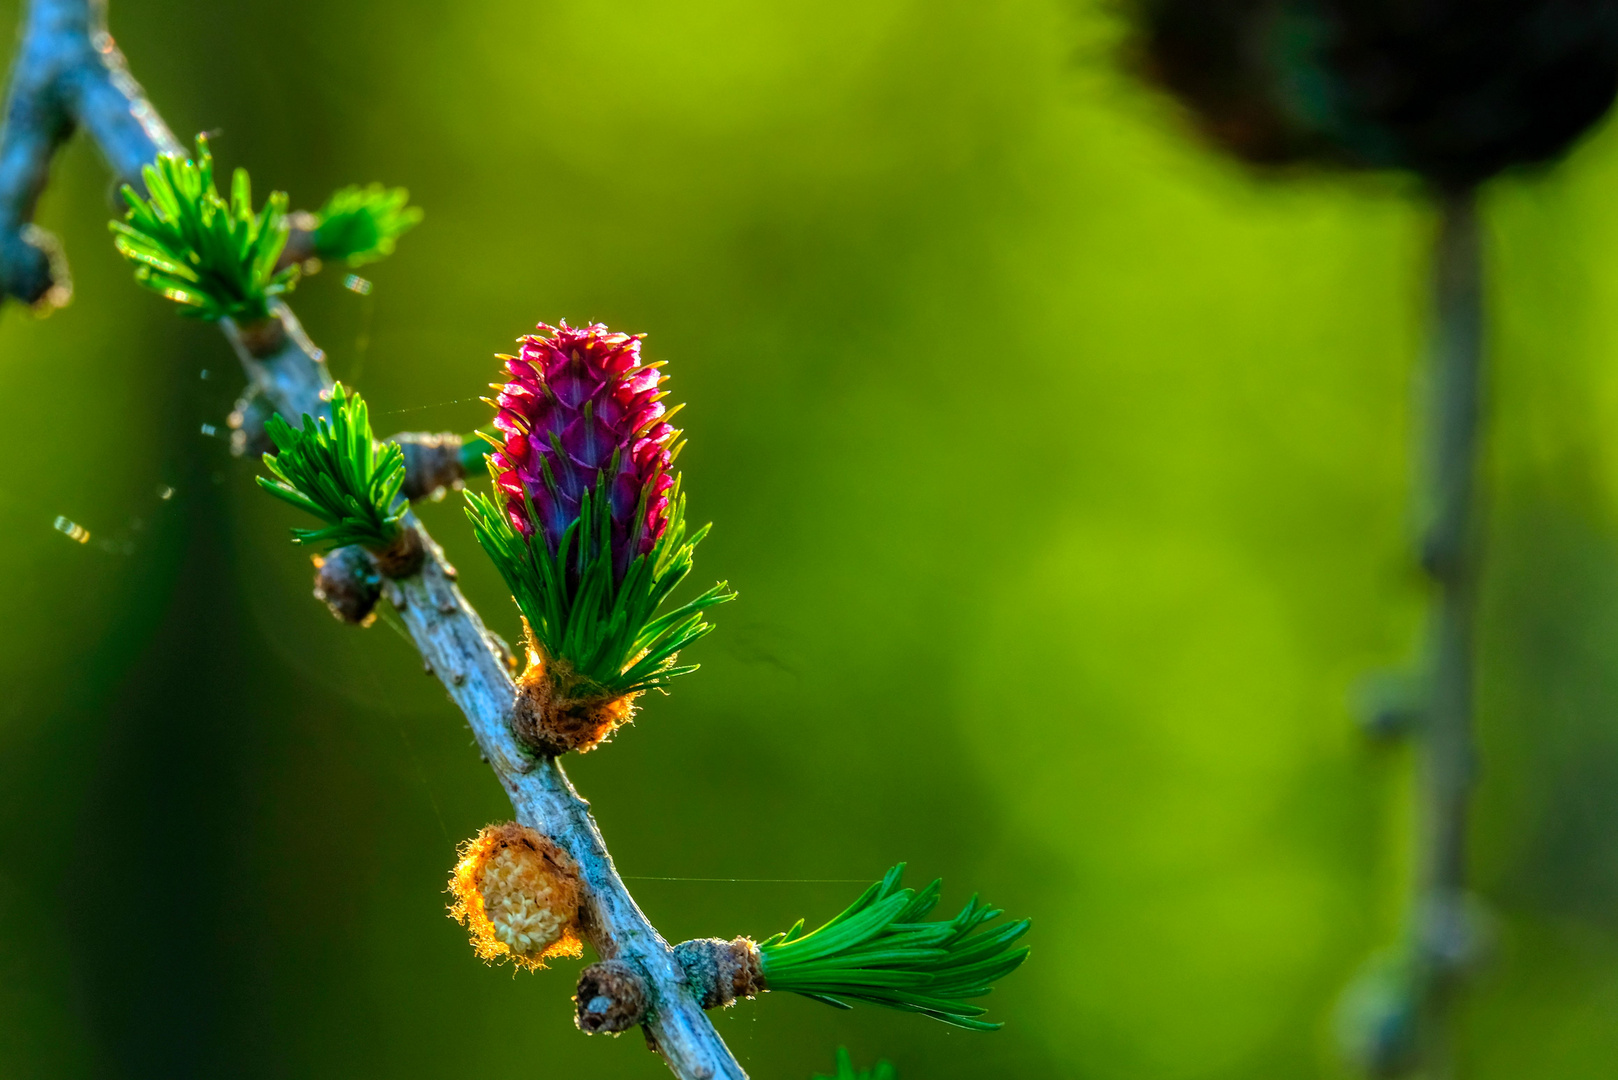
(67, 73)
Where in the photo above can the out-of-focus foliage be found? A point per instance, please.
(882, 1070)
(363, 224)
(1062, 470)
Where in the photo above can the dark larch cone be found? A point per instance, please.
(433, 463)
(1452, 90)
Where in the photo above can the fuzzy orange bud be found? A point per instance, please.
(518, 894)
(558, 710)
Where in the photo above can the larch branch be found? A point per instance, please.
(68, 73)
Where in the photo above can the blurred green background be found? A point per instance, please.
(1062, 469)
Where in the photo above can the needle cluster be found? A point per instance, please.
(335, 470)
(880, 951)
(607, 632)
(362, 224)
(214, 257)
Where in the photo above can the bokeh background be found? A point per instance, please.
(1062, 469)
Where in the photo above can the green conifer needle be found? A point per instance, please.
(337, 471)
(213, 257)
(881, 952)
(361, 224)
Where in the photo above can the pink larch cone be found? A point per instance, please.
(581, 405)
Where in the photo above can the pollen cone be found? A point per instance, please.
(518, 894)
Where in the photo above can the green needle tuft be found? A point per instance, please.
(881, 952)
(337, 471)
(214, 258)
(362, 224)
(610, 632)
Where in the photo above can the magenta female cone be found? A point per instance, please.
(581, 419)
(581, 403)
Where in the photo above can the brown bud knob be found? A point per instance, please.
(300, 245)
(34, 269)
(348, 581)
(262, 338)
(720, 971)
(611, 998)
(404, 556)
(432, 463)
(557, 710)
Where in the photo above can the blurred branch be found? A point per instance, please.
(1395, 1016)
(1444, 925)
(68, 72)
